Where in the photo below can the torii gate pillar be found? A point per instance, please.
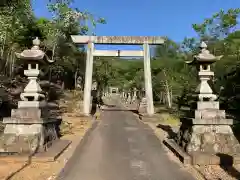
(88, 79)
(148, 79)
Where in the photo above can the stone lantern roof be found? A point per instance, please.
(204, 57)
(34, 54)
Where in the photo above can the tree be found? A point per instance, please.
(168, 49)
(103, 72)
(66, 21)
(219, 26)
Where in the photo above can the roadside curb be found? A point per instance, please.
(81, 142)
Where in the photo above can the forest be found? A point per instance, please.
(173, 80)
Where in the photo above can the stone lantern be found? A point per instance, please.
(208, 134)
(203, 62)
(34, 57)
(31, 128)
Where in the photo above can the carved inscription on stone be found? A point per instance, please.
(118, 39)
(26, 115)
(127, 39)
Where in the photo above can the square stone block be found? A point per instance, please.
(28, 116)
(27, 138)
(31, 104)
(212, 121)
(205, 159)
(206, 73)
(21, 129)
(207, 105)
(210, 114)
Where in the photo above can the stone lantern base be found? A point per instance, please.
(142, 109)
(207, 137)
(30, 129)
(142, 112)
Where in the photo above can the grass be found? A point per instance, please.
(172, 120)
(72, 101)
(168, 116)
(66, 128)
(97, 115)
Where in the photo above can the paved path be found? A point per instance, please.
(122, 148)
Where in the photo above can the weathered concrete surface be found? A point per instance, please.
(118, 39)
(122, 148)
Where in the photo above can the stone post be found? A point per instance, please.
(123, 95)
(88, 79)
(148, 79)
(129, 98)
(142, 109)
(134, 95)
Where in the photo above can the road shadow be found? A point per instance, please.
(121, 109)
(93, 109)
(109, 105)
(226, 163)
(168, 129)
(135, 111)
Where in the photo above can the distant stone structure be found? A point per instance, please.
(113, 90)
(79, 82)
(142, 109)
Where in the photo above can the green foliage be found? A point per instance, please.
(170, 74)
(103, 71)
(168, 49)
(219, 26)
(19, 27)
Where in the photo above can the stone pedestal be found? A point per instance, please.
(142, 109)
(209, 132)
(29, 129)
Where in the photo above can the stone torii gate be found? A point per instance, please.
(118, 40)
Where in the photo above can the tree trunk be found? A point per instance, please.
(168, 93)
(169, 100)
(75, 79)
(3, 46)
(63, 85)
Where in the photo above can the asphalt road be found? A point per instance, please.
(122, 148)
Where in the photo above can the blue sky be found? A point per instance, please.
(172, 18)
